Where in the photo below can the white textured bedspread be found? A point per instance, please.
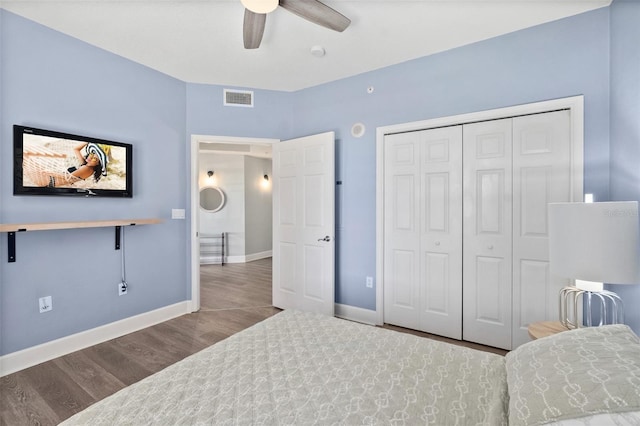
(301, 369)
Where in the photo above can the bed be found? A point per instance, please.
(298, 368)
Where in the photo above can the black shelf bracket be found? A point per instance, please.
(118, 237)
(11, 245)
(11, 242)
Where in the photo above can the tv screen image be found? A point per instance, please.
(54, 163)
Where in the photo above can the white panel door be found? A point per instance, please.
(423, 231)
(487, 253)
(401, 230)
(304, 223)
(541, 175)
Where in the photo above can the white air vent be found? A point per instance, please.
(242, 98)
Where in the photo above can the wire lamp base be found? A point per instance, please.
(606, 303)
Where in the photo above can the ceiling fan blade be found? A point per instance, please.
(253, 29)
(318, 13)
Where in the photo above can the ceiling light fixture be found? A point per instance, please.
(260, 6)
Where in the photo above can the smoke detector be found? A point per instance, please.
(318, 51)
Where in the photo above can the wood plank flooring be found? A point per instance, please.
(233, 297)
(235, 285)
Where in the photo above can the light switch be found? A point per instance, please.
(177, 214)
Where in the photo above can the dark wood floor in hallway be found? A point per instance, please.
(235, 285)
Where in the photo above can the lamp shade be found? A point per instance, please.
(595, 241)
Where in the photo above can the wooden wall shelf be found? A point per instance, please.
(12, 228)
(45, 226)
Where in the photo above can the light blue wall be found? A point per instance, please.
(53, 81)
(206, 115)
(625, 123)
(564, 58)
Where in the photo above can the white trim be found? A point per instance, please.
(256, 256)
(575, 104)
(194, 303)
(247, 258)
(354, 313)
(29, 357)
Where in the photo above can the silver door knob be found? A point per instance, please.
(326, 238)
(490, 247)
(437, 243)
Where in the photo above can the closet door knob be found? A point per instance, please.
(490, 247)
(437, 243)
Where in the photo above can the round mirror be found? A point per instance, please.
(211, 199)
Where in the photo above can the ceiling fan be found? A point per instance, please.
(255, 15)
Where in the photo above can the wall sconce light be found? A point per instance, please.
(210, 177)
(265, 181)
(266, 178)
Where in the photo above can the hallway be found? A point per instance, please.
(235, 285)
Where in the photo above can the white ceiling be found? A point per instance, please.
(200, 41)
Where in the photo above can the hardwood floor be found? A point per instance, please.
(235, 285)
(471, 345)
(233, 297)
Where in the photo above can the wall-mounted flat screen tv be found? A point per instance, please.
(54, 163)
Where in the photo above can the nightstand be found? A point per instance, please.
(541, 329)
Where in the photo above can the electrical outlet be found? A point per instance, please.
(45, 304)
(369, 282)
(122, 288)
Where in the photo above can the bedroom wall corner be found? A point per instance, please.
(625, 124)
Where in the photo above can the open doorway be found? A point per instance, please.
(240, 169)
(236, 285)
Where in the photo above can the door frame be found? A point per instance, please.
(574, 104)
(194, 191)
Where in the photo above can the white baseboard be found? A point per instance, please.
(258, 256)
(29, 357)
(248, 257)
(353, 313)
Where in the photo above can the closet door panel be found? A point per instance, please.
(435, 262)
(542, 175)
(402, 231)
(487, 234)
(441, 232)
(423, 231)
(490, 272)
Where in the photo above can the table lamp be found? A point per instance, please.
(593, 244)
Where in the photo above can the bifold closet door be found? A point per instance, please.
(541, 175)
(487, 171)
(513, 168)
(465, 226)
(423, 231)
